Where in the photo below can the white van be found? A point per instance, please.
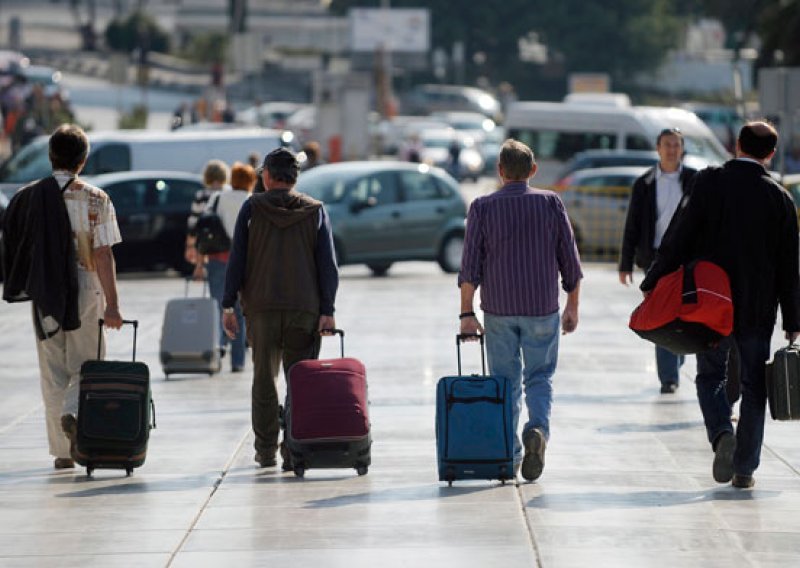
(556, 131)
(134, 150)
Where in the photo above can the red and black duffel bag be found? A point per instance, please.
(689, 311)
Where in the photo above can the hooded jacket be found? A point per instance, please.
(281, 271)
(39, 259)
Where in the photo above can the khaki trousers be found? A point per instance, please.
(276, 336)
(60, 360)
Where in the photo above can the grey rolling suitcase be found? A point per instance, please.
(190, 335)
(783, 384)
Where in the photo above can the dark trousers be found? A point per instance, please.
(711, 382)
(276, 336)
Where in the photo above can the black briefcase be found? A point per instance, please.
(783, 383)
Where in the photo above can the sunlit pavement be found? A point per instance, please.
(627, 480)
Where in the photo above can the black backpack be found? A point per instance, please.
(212, 237)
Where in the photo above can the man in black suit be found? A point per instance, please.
(740, 218)
(655, 197)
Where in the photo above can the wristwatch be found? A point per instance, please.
(227, 310)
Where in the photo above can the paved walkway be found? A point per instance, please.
(627, 480)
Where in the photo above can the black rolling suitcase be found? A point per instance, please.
(114, 412)
(783, 383)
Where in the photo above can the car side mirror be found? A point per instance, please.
(362, 204)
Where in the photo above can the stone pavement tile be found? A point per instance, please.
(647, 539)
(623, 557)
(309, 536)
(402, 556)
(154, 560)
(117, 539)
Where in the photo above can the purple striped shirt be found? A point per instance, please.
(518, 240)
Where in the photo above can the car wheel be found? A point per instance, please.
(450, 252)
(380, 268)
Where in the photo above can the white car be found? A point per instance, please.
(435, 149)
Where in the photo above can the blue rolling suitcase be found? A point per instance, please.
(474, 426)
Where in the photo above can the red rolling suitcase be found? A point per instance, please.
(326, 415)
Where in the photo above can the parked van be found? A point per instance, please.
(556, 131)
(134, 150)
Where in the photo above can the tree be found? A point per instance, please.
(137, 31)
(780, 30)
(619, 37)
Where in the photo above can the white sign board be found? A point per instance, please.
(396, 30)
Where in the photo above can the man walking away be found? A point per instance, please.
(740, 218)
(283, 267)
(654, 200)
(518, 240)
(57, 252)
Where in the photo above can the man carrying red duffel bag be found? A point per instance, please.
(740, 219)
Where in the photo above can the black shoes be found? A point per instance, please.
(669, 388)
(237, 369)
(533, 462)
(265, 461)
(743, 481)
(723, 457)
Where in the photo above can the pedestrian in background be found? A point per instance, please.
(57, 252)
(518, 240)
(227, 204)
(740, 218)
(313, 154)
(655, 198)
(283, 269)
(215, 178)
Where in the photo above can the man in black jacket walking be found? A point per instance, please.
(655, 197)
(740, 218)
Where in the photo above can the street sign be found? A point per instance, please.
(403, 30)
(779, 90)
(118, 68)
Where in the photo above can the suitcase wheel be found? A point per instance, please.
(89, 470)
(449, 482)
(299, 471)
(128, 471)
(362, 469)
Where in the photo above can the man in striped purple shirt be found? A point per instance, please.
(518, 240)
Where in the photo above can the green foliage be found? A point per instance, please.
(780, 30)
(210, 47)
(135, 31)
(136, 118)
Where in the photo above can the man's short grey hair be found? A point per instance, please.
(516, 159)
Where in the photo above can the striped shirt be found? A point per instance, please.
(518, 240)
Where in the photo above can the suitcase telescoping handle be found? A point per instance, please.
(340, 333)
(463, 337)
(189, 280)
(101, 322)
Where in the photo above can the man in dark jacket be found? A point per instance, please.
(283, 265)
(740, 218)
(655, 197)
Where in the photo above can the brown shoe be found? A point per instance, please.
(69, 424)
(743, 481)
(63, 463)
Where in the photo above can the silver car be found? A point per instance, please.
(389, 211)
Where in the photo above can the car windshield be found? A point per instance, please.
(30, 163)
(437, 142)
(325, 186)
(703, 148)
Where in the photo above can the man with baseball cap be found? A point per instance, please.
(283, 268)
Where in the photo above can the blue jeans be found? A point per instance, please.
(510, 340)
(216, 285)
(711, 378)
(668, 365)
